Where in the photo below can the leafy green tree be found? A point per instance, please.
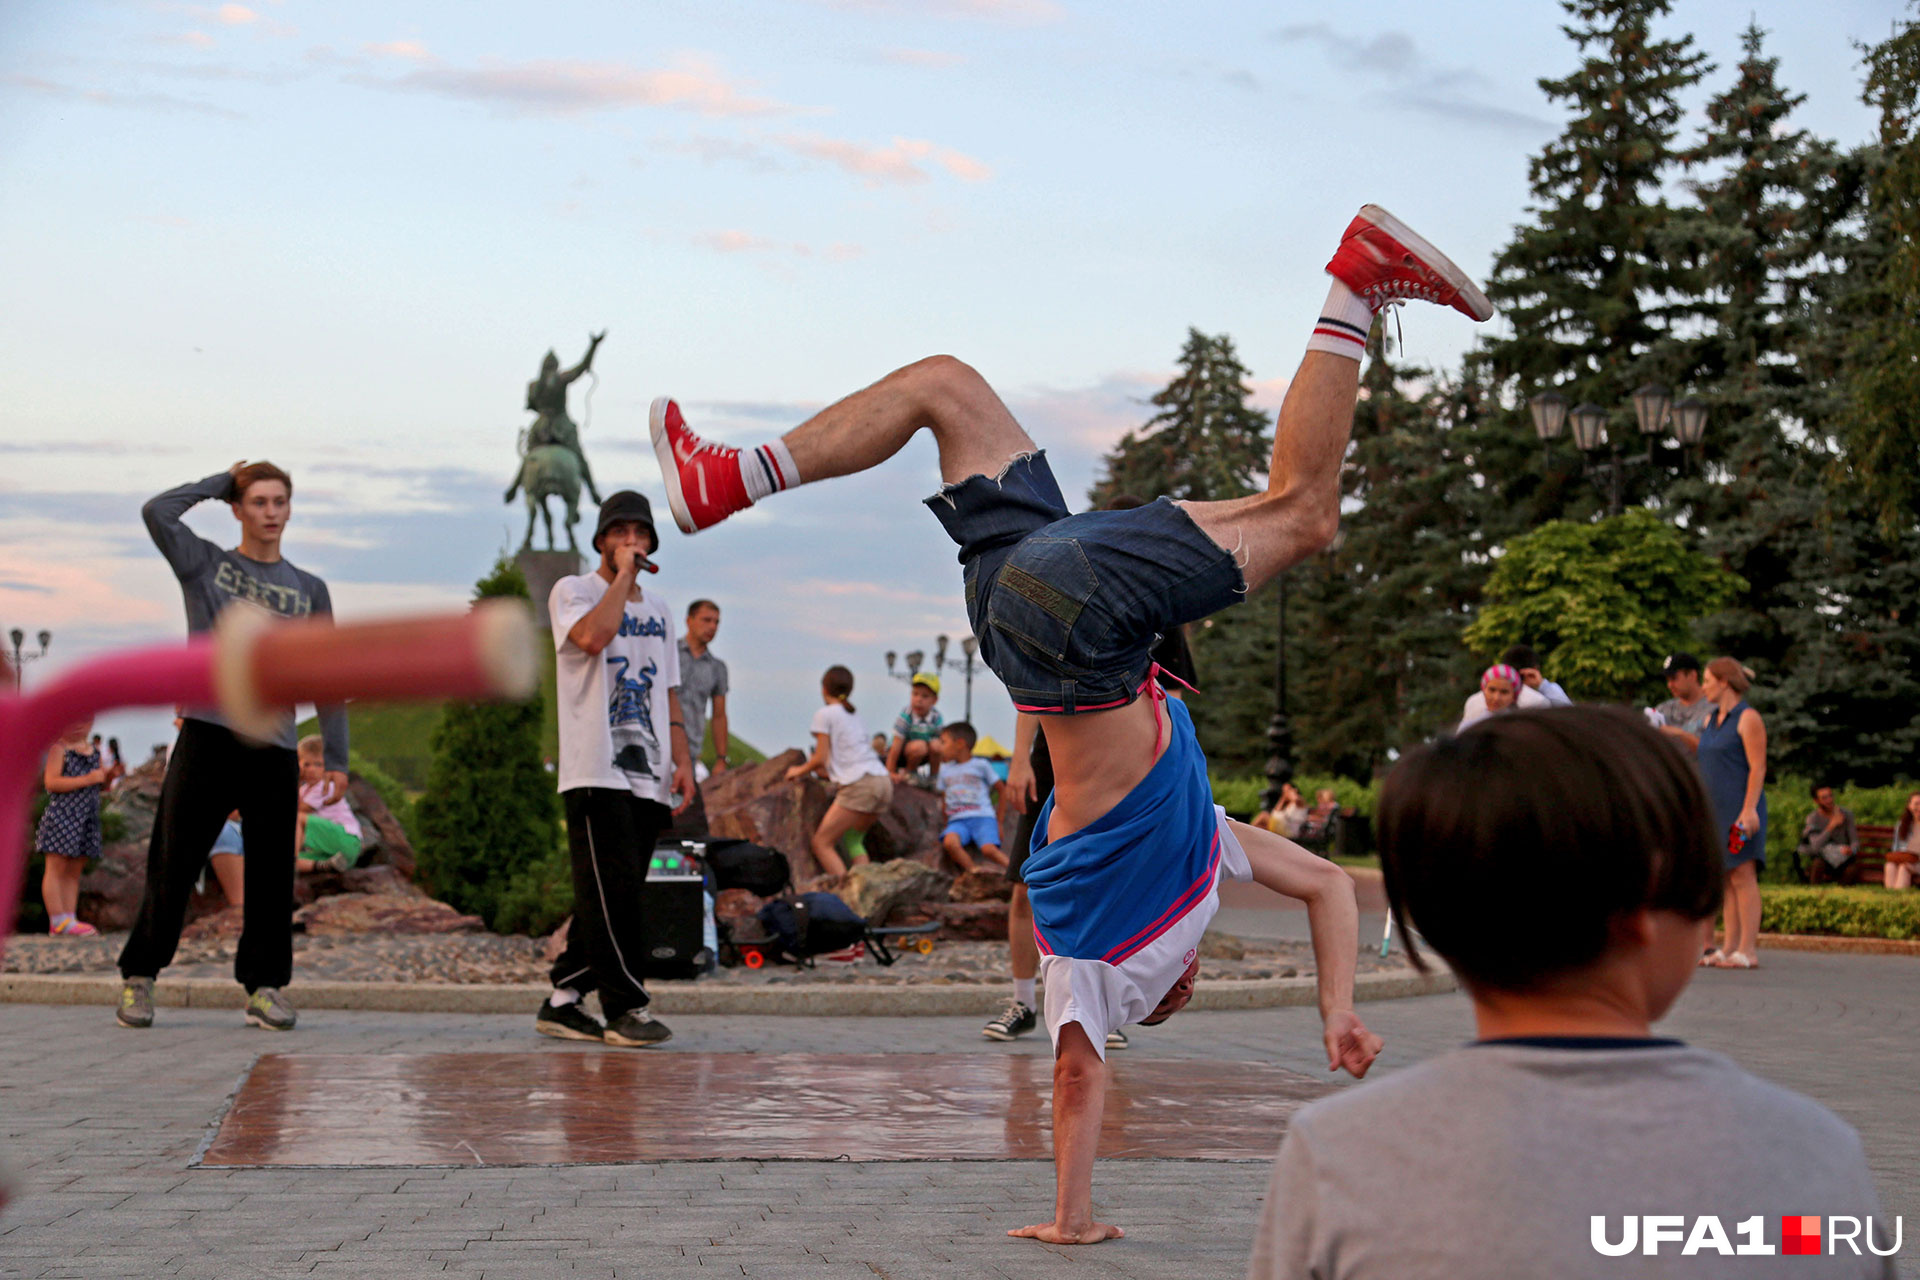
(1882, 425)
(1205, 443)
(1601, 602)
(490, 814)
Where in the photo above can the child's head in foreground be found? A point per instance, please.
(1544, 853)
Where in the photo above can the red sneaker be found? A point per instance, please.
(703, 478)
(1382, 260)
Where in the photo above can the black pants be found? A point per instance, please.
(211, 774)
(611, 835)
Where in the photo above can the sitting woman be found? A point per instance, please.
(1906, 846)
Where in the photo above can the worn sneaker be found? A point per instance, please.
(703, 478)
(636, 1029)
(568, 1022)
(74, 928)
(136, 1003)
(1116, 1040)
(846, 955)
(268, 1008)
(1012, 1022)
(1382, 260)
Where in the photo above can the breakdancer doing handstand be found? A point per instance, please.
(1129, 851)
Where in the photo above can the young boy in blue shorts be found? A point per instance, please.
(969, 787)
(1067, 609)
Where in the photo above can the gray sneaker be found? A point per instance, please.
(636, 1029)
(268, 1008)
(136, 1003)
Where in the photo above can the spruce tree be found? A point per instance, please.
(1595, 282)
(1882, 423)
(1205, 443)
(490, 814)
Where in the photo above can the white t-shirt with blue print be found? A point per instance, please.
(612, 706)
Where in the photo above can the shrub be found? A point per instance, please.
(1859, 912)
(1241, 796)
(537, 899)
(490, 813)
(387, 787)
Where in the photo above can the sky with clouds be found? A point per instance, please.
(341, 236)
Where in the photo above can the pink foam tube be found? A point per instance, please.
(253, 669)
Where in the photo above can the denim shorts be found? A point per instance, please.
(1067, 608)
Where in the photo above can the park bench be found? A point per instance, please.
(1867, 866)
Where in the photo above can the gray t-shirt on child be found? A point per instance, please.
(213, 577)
(1494, 1159)
(702, 679)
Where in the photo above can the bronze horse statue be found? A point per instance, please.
(552, 464)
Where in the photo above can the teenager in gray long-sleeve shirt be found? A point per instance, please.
(1564, 865)
(213, 771)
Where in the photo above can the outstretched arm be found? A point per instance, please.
(1334, 918)
(586, 361)
(1079, 1101)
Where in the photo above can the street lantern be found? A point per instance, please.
(1650, 405)
(914, 658)
(1689, 421)
(969, 646)
(1589, 426)
(1549, 410)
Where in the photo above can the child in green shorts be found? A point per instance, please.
(328, 835)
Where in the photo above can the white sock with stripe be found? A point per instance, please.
(1023, 992)
(1344, 323)
(767, 469)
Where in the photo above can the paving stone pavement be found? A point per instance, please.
(100, 1124)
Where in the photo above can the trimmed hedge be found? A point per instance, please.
(1240, 797)
(1856, 912)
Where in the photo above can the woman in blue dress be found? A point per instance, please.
(1733, 764)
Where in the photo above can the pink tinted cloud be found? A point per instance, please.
(904, 160)
(565, 86)
(411, 50)
(733, 241)
(1015, 12)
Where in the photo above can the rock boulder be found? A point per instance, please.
(383, 913)
(757, 803)
(981, 886)
(875, 889)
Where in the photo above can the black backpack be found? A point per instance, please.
(810, 924)
(738, 864)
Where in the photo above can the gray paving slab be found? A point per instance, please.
(100, 1126)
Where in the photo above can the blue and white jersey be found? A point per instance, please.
(1120, 905)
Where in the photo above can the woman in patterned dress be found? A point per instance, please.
(69, 835)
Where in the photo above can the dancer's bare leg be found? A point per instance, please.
(976, 433)
(1300, 511)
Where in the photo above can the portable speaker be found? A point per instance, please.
(673, 913)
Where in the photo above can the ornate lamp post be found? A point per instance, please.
(1654, 410)
(969, 649)
(20, 659)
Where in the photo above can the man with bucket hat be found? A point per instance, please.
(625, 769)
